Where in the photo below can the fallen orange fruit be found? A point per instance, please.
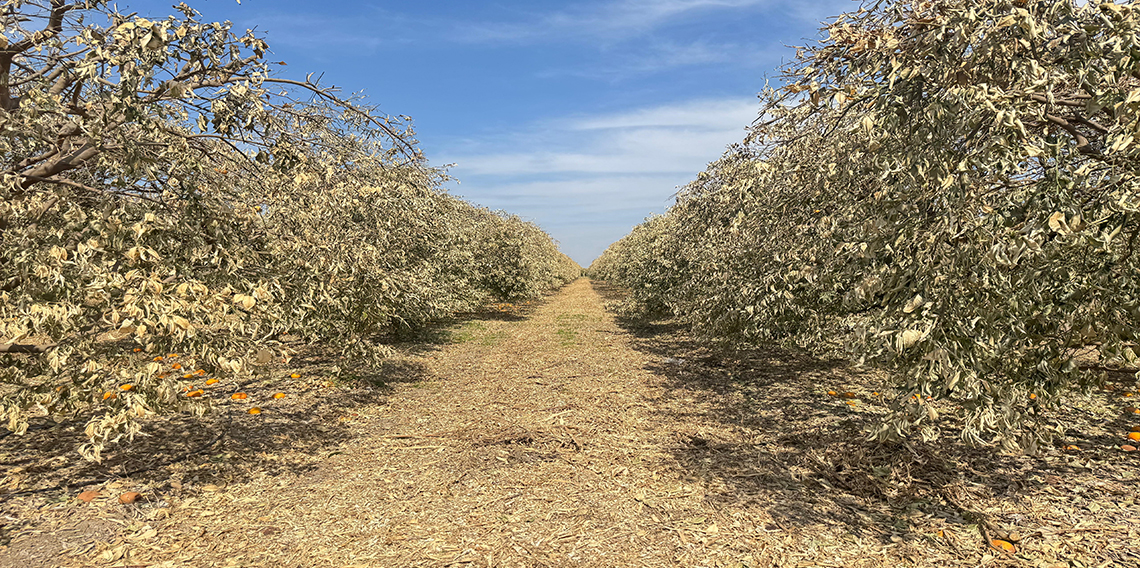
(1003, 545)
(294, 376)
(255, 410)
(110, 394)
(127, 387)
(176, 366)
(1134, 436)
(195, 393)
(88, 496)
(279, 395)
(211, 381)
(239, 396)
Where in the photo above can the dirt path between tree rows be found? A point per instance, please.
(563, 439)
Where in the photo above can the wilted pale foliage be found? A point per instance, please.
(162, 192)
(946, 189)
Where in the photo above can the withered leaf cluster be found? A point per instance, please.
(944, 189)
(163, 190)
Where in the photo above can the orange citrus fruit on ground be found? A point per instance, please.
(1003, 545)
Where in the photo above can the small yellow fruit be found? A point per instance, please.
(279, 395)
(110, 394)
(239, 396)
(1134, 436)
(294, 376)
(127, 387)
(195, 393)
(255, 410)
(211, 381)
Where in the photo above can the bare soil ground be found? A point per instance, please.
(560, 436)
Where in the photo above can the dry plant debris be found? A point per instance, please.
(554, 436)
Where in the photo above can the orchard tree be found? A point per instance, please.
(170, 207)
(945, 189)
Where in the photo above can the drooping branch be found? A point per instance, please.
(410, 152)
(54, 26)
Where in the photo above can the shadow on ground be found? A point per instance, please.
(184, 454)
(767, 434)
(229, 445)
(226, 445)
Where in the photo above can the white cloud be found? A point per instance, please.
(610, 21)
(618, 20)
(672, 138)
(609, 170)
(714, 114)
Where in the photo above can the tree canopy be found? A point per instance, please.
(943, 189)
(164, 190)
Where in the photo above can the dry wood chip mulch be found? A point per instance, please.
(557, 437)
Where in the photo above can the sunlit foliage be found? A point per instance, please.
(944, 189)
(163, 191)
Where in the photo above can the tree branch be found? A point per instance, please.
(7, 55)
(411, 151)
(1083, 145)
(18, 348)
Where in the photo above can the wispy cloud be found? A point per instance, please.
(618, 20)
(608, 21)
(658, 56)
(607, 170)
(673, 138)
(319, 32)
(711, 114)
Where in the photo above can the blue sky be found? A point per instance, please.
(581, 116)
